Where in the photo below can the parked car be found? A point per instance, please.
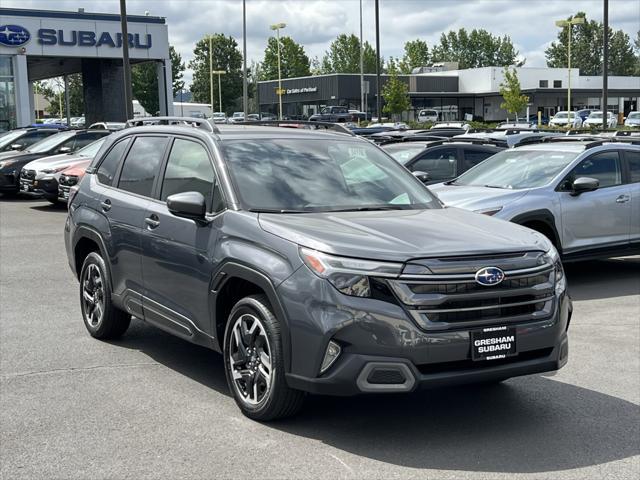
(581, 195)
(253, 117)
(533, 119)
(268, 116)
(510, 138)
(632, 120)
(41, 176)
(21, 138)
(219, 117)
(11, 163)
(566, 119)
(428, 115)
(595, 120)
(440, 160)
(236, 117)
(312, 260)
(111, 126)
(70, 177)
(584, 114)
(334, 114)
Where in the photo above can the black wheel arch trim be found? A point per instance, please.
(542, 215)
(231, 270)
(83, 231)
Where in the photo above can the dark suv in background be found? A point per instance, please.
(312, 260)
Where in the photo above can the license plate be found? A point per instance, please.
(65, 194)
(493, 343)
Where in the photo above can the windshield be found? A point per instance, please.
(403, 153)
(634, 115)
(293, 176)
(50, 142)
(8, 138)
(563, 115)
(515, 169)
(91, 149)
(596, 115)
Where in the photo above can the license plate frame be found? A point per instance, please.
(493, 343)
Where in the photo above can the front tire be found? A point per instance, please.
(101, 317)
(254, 362)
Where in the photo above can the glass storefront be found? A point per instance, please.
(7, 94)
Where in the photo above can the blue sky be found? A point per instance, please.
(314, 23)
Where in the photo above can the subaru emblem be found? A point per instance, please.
(14, 35)
(489, 276)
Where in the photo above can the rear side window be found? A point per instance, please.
(142, 164)
(188, 170)
(109, 166)
(634, 165)
(474, 157)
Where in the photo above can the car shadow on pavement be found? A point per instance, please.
(527, 424)
(616, 277)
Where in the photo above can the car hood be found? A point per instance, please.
(21, 158)
(401, 235)
(475, 198)
(54, 161)
(78, 168)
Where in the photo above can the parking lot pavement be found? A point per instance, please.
(153, 406)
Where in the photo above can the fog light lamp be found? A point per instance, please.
(330, 356)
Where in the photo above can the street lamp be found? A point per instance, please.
(277, 27)
(217, 72)
(569, 24)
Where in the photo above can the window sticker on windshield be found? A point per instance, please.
(357, 153)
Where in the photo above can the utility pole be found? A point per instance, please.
(211, 74)
(569, 24)
(126, 66)
(277, 28)
(245, 86)
(362, 107)
(378, 96)
(605, 67)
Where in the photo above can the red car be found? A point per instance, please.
(71, 176)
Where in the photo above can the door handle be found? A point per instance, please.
(152, 221)
(106, 205)
(623, 199)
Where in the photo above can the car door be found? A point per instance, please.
(600, 218)
(633, 165)
(178, 252)
(123, 202)
(439, 162)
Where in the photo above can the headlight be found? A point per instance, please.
(552, 256)
(489, 211)
(349, 275)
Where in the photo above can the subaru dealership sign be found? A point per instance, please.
(14, 35)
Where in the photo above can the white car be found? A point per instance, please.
(633, 120)
(219, 117)
(595, 120)
(236, 117)
(566, 119)
(428, 115)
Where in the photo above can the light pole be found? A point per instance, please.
(211, 73)
(217, 72)
(245, 86)
(569, 24)
(277, 27)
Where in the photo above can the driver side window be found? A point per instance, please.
(604, 167)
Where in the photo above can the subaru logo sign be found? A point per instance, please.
(14, 35)
(489, 276)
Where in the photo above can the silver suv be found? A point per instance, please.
(585, 197)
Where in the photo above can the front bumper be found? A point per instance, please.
(381, 335)
(9, 182)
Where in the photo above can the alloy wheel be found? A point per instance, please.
(250, 359)
(93, 296)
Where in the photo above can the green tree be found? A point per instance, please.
(144, 85)
(294, 62)
(476, 49)
(226, 57)
(53, 91)
(177, 70)
(586, 49)
(395, 93)
(416, 54)
(514, 101)
(636, 44)
(343, 56)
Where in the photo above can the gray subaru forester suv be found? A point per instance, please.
(312, 261)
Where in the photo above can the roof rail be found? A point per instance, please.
(479, 141)
(201, 123)
(336, 127)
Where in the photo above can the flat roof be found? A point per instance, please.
(112, 17)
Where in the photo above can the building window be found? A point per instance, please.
(557, 84)
(544, 83)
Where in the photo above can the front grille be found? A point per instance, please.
(452, 299)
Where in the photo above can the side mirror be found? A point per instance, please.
(16, 146)
(584, 184)
(64, 150)
(187, 204)
(424, 177)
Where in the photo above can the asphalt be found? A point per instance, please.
(152, 406)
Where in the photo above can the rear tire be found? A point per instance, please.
(254, 362)
(101, 317)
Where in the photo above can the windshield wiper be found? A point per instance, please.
(493, 186)
(450, 182)
(370, 209)
(276, 210)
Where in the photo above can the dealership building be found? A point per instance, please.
(455, 94)
(42, 44)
